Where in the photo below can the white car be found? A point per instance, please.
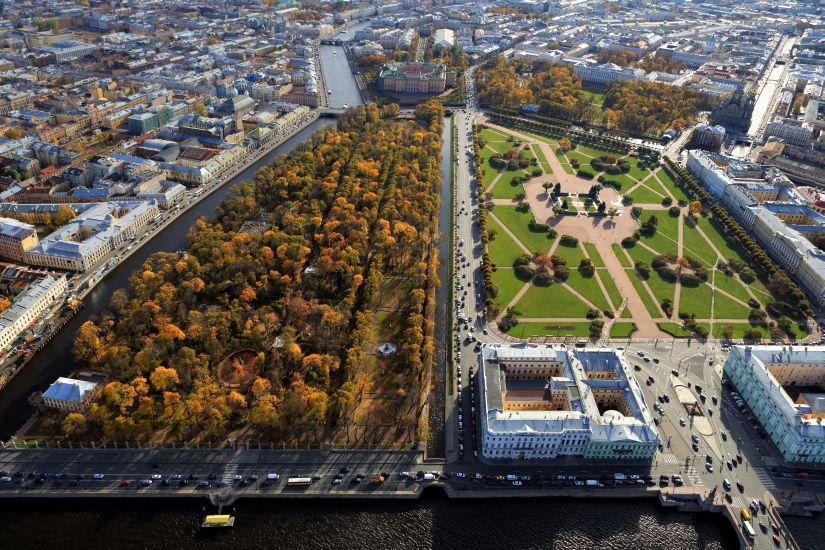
(460, 474)
(157, 476)
(98, 476)
(516, 483)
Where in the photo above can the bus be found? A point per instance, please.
(299, 482)
(746, 525)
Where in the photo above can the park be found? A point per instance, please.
(592, 241)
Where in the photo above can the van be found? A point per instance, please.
(511, 477)
(618, 477)
(429, 477)
(272, 477)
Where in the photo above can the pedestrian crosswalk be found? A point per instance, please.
(693, 476)
(669, 458)
(770, 461)
(765, 478)
(739, 502)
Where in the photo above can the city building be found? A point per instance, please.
(69, 394)
(784, 387)
(708, 137)
(93, 234)
(412, 78)
(545, 401)
(31, 302)
(768, 206)
(605, 73)
(790, 131)
(15, 238)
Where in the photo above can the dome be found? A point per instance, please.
(109, 219)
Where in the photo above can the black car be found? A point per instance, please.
(343, 470)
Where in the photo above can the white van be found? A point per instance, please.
(272, 477)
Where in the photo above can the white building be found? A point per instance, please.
(34, 300)
(89, 237)
(790, 131)
(776, 222)
(784, 386)
(444, 39)
(68, 394)
(544, 401)
(605, 73)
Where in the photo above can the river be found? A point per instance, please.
(431, 522)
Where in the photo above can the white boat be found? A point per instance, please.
(329, 92)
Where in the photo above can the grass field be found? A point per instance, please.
(504, 188)
(594, 254)
(650, 304)
(517, 223)
(645, 195)
(622, 330)
(503, 250)
(551, 301)
(525, 330)
(508, 285)
(589, 288)
(542, 159)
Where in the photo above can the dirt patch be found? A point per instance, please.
(238, 369)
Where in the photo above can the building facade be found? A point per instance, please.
(68, 394)
(412, 78)
(544, 401)
(16, 238)
(784, 387)
(34, 300)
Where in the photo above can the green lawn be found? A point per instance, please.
(590, 151)
(508, 285)
(525, 330)
(594, 254)
(504, 188)
(584, 160)
(693, 244)
(665, 238)
(696, 300)
(551, 301)
(739, 329)
(651, 305)
(664, 177)
(612, 289)
(545, 165)
(635, 170)
(503, 250)
(589, 288)
(645, 195)
(640, 254)
(622, 330)
(661, 289)
(626, 181)
(731, 285)
(674, 329)
(573, 255)
(725, 308)
(617, 250)
(517, 223)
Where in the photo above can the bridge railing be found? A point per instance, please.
(234, 445)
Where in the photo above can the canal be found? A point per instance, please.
(436, 442)
(56, 359)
